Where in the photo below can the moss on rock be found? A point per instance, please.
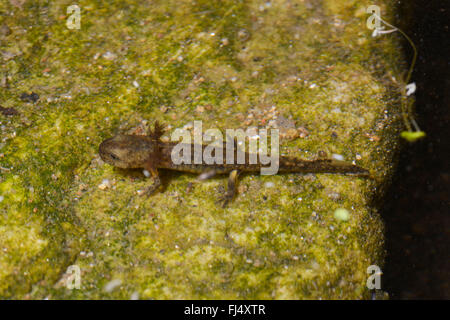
(229, 64)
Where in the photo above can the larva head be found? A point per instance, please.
(126, 151)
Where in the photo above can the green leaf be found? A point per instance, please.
(412, 136)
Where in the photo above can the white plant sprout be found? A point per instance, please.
(408, 89)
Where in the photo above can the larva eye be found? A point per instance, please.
(113, 156)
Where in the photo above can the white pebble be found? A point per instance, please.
(105, 184)
(337, 157)
(109, 55)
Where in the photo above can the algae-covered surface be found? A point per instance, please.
(309, 66)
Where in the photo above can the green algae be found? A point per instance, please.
(313, 62)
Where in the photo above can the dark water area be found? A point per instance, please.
(417, 211)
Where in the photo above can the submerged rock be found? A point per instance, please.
(221, 63)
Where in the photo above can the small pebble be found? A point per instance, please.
(105, 184)
(269, 184)
(243, 34)
(337, 157)
(335, 196)
(109, 56)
